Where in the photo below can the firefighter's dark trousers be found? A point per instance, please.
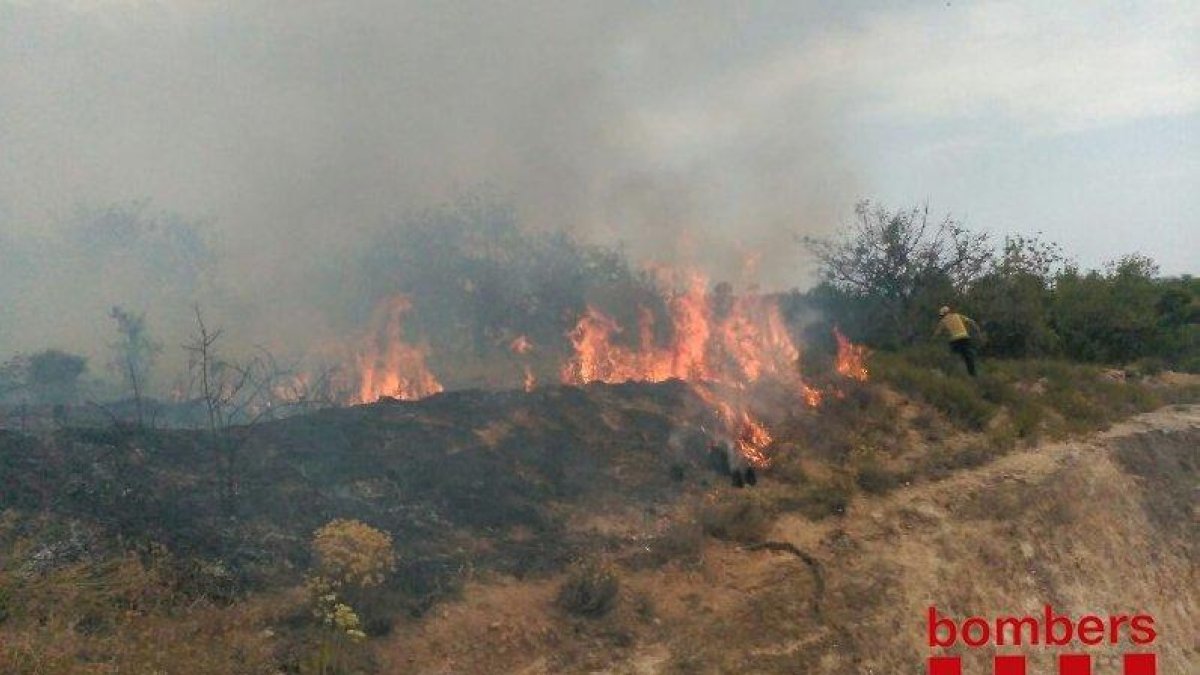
(966, 350)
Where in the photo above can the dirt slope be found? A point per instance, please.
(1103, 525)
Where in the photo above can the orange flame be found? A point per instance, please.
(389, 366)
(522, 346)
(851, 358)
(753, 441)
(731, 341)
(747, 435)
(748, 341)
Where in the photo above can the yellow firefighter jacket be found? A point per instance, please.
(955, 325)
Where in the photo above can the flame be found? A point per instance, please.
(740, 346)
(523, 346)
(812, 396)
(746, 434)
(753, 441)
(851, 358)
(389, 366)
(722, 340)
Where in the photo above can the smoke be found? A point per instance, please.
(275, 142)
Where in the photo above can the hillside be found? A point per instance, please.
(877, 505)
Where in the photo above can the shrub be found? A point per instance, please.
(1027, 419)
(352, 553)
(743, 520)
(876, 480)
(958, 397)
(591, 589)
(822, 501)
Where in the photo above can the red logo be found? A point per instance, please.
(1045, 630)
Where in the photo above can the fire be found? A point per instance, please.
(388, 365)
(753, 441)
(522, 346)
(735, 345)
(746, 434)
(717, 339)
(851, 358)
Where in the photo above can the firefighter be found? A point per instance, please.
(728, 460)
(956, 326)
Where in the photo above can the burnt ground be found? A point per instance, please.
(491, 496)
(480, 479)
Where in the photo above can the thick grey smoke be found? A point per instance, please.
(275, 140)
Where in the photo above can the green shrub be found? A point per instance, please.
(957, 397)
(591, 589)
(1027, 416)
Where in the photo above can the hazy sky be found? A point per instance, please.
(701, 130)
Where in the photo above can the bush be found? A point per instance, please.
(743, 520)
(352, 553)
(591, 589)
(960, 398)
(876, 480)
(1027, 419)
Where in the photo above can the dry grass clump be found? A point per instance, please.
(591, 589)
(124, 614)
(743, 520)
(352, 553)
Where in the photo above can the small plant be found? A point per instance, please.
(351, 556)
(352, 553)
(744, 520)
(875, 479)
(591, 589)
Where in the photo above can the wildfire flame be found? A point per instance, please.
(388, 365)
(522, 346)
(733, 343)
(737, 346)
(719, 342)
(748, 436)
(851, 358)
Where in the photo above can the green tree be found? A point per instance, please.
(1110, 316)
(1012, 302)
(897, 267)
(52, 376)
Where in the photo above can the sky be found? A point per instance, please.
(701, 132)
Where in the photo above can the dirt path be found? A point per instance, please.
(1064, 523)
